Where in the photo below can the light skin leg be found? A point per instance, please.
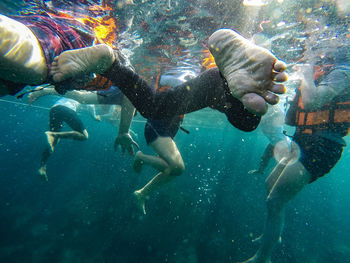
(53, 137)
(292, 179)
(169, 155)
(21, 57)
(83, 97)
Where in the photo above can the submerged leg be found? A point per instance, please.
(168, 155)
(291, 180)
(53, 137)
(21, 57)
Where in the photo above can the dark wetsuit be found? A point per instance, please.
(207, 90)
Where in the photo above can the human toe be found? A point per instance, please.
(280, 76)
(270, 97)
(254, 103)
(278, 88)
(280, 66)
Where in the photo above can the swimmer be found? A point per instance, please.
(320, 141)
(111, 96)
(64, 110)
(159, 134)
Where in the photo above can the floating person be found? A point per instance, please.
(111, 96)
(272, 127)
(159, 134)
(247, 79)
(63, 111)
(321, 114)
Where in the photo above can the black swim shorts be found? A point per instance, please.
(162, 128)
(318, 154)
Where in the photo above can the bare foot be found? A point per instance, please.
(42, 173)
(137, 166)
(140, 201)
(51, 139)
(83, 61)
(252, 72)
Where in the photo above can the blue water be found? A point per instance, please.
(210, 214)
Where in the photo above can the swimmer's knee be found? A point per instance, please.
(86, 135)
(177, 169)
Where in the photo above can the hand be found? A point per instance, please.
(98, 118)
(32, 97)
(126, 142)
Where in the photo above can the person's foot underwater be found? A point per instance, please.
(251, 71)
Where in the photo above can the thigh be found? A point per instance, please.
(290, 181)
(167, 150)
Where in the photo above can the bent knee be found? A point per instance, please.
(177, 169)
(85, 135)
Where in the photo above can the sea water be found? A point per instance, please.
(213, 211)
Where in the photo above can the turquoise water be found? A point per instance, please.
(85, 212)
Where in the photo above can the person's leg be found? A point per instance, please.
(169, 163)
(58, 115)
(291, 180)
(44, 158)
(154, 161)
(251, 81)
(264, 160)
(193, 95)
(53, 137)
(21, 57)
(55, 125)
(83, 97)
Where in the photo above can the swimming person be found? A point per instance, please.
(247, 78)
(111, 96)
(320, 112)
(63, 111)
(159, 134)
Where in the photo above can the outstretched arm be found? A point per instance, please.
(39, 92)
(124, 139)
(83, 97)
(315, 96)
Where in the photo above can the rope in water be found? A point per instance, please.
(24, 104)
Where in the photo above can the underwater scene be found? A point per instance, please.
(87, 178)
